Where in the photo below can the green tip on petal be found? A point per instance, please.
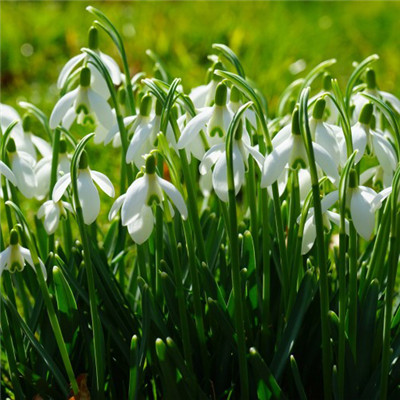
(85, 77)
(366, 114)
(353, 179)
(319, 108)
(83, 161)
(145, 105)
(370, 77)
(14, 238)
(159, 107)
(236, 95)
(327, 82)
(63, 146)
(27, 122)
(11, 148)
(93, 38)
(221, 94)
(150, 164)
(295, 122)
(121, 95)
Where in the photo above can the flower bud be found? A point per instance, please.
(370, 78)
(83, 160)
(85, 77)
(295, 122)
(93, 38)
(353, 179)
(63, 146)
(327, 82)
(319, 108)
(150, 164)
(27, 122)
(159, 107)
(236, 95)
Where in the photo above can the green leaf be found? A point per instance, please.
(65, 299)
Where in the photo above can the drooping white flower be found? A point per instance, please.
(212, 121)
(135, 205)
(83, 104)
(15, 257)
(291, 150)
(241, 150)
(359, 101)
(310, 233)
(7, 116)
(22, 166)
(97, 81)
(87, 192)
(52, 211)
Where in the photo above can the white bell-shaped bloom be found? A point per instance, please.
(241, 149)
(310, 233)
(135, 205)
(52, 211)
(84, 105)
(87, 192)
(15, 257)
(97, 81)
(359, 101)
(291, 150)
(7, 116)
(22, 166)
(323, 133)
(212, 121)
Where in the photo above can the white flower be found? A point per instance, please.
(97, 82)
(214, 121)
(7, 173)
(15, 257)
(135, 205)
(309, 233)
(7, 116)
(87, 192)
(291, 150)
(217, 155)
(83, 104)
(52, 211)
(22, 166)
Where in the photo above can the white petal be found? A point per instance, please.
(377, 201)
(61, 108)
(326, 163)
(137, 146)
(309, 235)
(135, 199)
(43, 208)
(4, 259)
(198, 95)
(335, 218)
(88, 197)
(52, 218)
(325, 137)
(258, 157)
(141, 226)
(393, 100)
(329, 200)
(361, 213)
(194, 126)
(359, 138)
(115, 128)
(367, 175)
(26, 254)
(116, 207)
(4, 170)
(173, 193)
(275, 162)
(43, 147)
(205, 183)
(101, 108)
(112, 67)
(211, 157)
(304, 183)
(98, 83)
(282, 135)
(61, 186)
(68, 67)
(43, 173)
(104, 183)
(384, 152)
(25, 176)
(220, 179)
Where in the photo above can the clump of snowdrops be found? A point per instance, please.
(247, 256)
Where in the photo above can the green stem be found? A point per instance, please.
(353, 290)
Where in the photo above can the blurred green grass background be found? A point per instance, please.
(37, 39)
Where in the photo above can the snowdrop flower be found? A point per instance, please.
(22, 165)
(359, 100)
(310, 233)
(7, 173)
(323, 133)
(7, 116)
(28, 142)
(217, 155)
(364, 136)
(87, 192)
(380, 178)
(214, 121)
(52, 211)
(203, 96)
(15, 257)
(83, 104)
(97, 81)
(43, 170)
(291, 150)
(135, 205)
